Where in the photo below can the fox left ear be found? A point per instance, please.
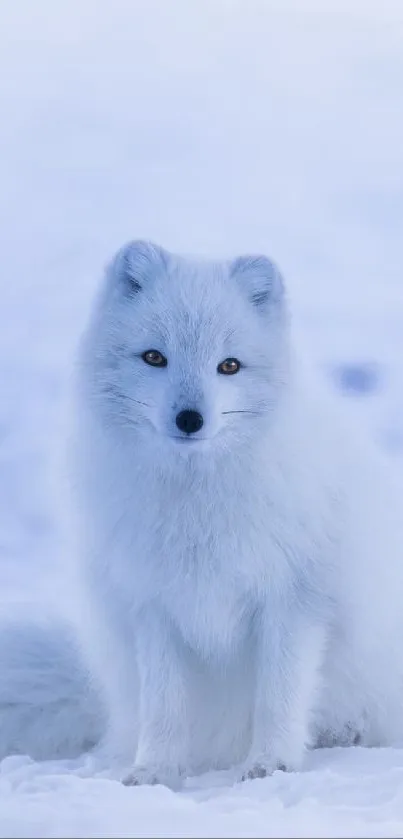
(261, 279)
(135, 264)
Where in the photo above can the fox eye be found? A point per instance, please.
(229, 366)
(155, 358)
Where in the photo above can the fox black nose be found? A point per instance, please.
(189, 421)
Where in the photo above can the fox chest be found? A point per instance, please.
(209, 583)
(208, 568)
(211, 614)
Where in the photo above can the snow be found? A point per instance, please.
(213, 127)
(344, 792)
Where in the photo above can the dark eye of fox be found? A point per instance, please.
(229, 366)
(154, 358)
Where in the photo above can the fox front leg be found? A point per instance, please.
(288, 661)
(163, 735)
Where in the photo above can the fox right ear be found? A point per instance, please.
(135, 263)
(260, 278)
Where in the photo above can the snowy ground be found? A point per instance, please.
(214, 126)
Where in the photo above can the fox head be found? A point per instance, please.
(189, 355)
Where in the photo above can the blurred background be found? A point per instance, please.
(211, 126)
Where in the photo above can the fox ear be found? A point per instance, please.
(135, 263)
(260, 278)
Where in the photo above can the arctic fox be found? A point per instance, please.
(240, 560)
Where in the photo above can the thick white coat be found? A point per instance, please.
(241, 592)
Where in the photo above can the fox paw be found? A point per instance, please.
(264, 765)
(153, 775)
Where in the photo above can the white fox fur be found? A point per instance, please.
(48, 707)
(241, 589)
